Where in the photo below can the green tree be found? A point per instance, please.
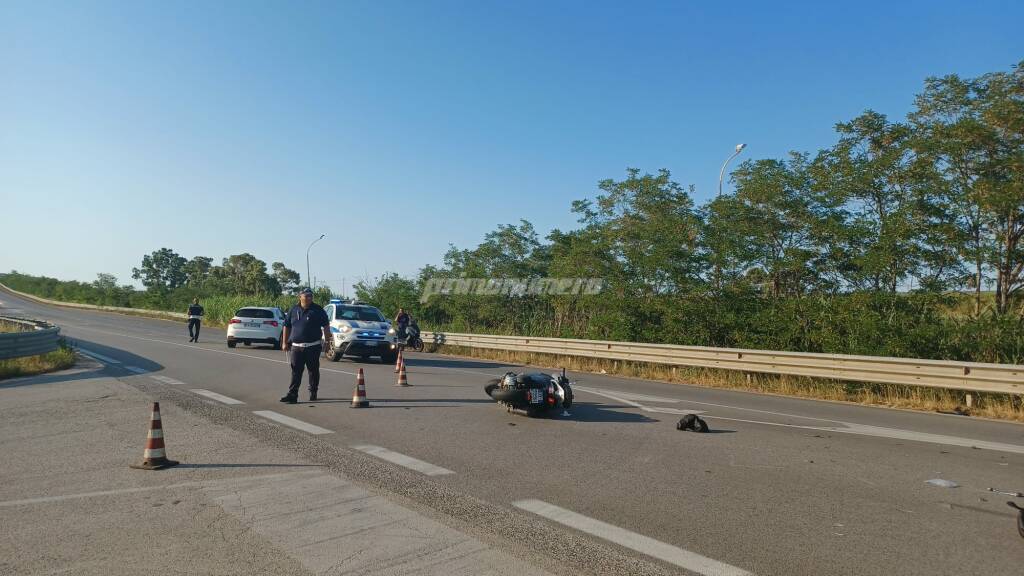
(244, 274)
(771, 231)
(889, 233)
(197, 271)
(972, 132)
(389, 293)
(509, 252)
(648, 226)
(286, 278)
(161, 271)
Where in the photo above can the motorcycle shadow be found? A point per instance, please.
(611, 413)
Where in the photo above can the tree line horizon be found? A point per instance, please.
(904, 237)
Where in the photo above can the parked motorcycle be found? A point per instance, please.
(535, 393)
(410, 337)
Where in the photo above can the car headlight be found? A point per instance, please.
(391, 330)
(345, 329)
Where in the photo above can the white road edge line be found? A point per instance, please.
(657, 410)
(217, 397)
(136, 369)
(638, 542)
(289, 421)
(99, 356)
(403, 460)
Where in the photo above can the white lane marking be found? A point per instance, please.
(166, 380)
(201, 483)
(676, 411)
(619, 398)
(289, 421)
(194, 347)
(638, 542)
(217, 397)
(403, 460)
(894, 433)
(136, 369)
(629, 395)
(99, 356)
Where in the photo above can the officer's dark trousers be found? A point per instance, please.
(193, 323)
(308, 358)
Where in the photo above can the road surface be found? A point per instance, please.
(780, 486)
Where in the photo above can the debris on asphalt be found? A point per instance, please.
(692, 422)
(1006, 493)
(942, 483)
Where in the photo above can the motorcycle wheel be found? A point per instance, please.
(508, 395)
(418, 345)
(490, 388)
(331, 352)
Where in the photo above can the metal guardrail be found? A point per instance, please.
(35, 337)
(968, 376)
(136, 311)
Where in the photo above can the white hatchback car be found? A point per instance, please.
(253, 324)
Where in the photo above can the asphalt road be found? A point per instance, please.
(781, 486)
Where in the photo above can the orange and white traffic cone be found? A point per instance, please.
(402, 379)
(399, 361)
(155, 457)
(359, 394)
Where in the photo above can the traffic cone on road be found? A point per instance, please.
(154, 457)
(399, 362)
(359, 394)
(402, 379)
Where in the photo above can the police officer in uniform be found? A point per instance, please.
(195, 316)
(304, 326)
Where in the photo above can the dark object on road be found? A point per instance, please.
(154, 456)
(535, 393)
(1020, 517)
(692, 422)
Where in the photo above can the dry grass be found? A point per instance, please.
(996, 406)
(59, 359)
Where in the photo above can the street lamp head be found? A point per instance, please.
(322, 235)
(740, 147)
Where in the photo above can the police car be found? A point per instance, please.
(358, 329)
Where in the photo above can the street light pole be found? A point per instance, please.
(721, 177)
(308, 277)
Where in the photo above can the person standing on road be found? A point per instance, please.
(402, 319)
(304, 326)
(195, 316)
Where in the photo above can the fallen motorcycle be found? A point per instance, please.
(535, 393)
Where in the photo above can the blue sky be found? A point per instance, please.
(400, 127)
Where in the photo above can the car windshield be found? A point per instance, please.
(254, 313)
(361, 313)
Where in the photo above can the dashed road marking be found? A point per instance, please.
(217, 397)
(403, 460)
(167, 380)
(289, 421)
(99, 356)
(638, 542)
